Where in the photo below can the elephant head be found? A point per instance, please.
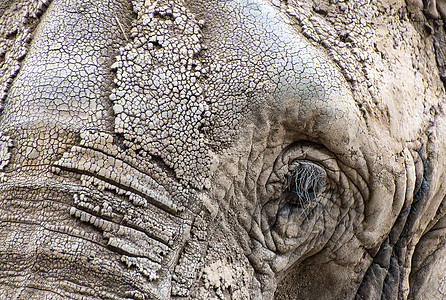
(238, 149)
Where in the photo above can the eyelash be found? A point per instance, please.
(305, 181)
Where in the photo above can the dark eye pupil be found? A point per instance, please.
(305, 180)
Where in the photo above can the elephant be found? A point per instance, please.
(222, 149)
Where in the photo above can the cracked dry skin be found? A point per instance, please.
(241, 149)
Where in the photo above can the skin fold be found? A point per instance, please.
(240, 149)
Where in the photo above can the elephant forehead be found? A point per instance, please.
(185, 80)
(262, 47)
(273, 68)
(190, 76)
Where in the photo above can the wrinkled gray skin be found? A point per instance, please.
(239, 149)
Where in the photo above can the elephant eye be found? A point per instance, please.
(304, 182)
